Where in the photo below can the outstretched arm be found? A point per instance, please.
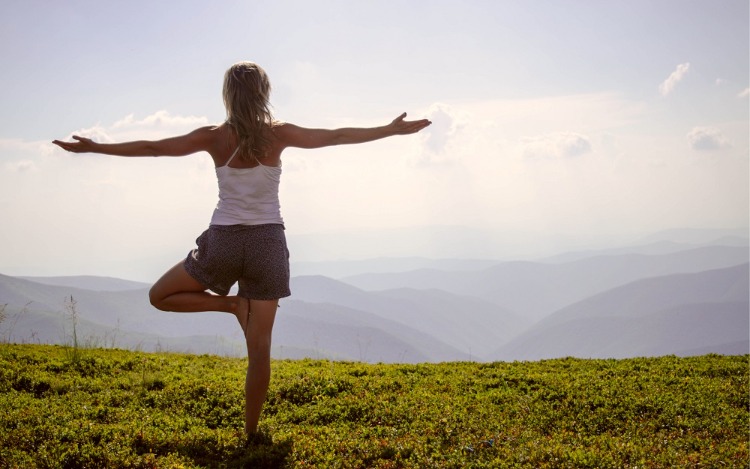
(294, 136)
(195, 141)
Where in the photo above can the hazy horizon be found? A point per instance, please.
(318, 253)
(556, 126)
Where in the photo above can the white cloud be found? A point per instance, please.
(744, 93)
(160, 124)
(21, 166)
(17, 147)
(96, 133)
(556, 145)
(438, 138)
(443, 126)
(706, 139)
(675, 77)
(162, 119)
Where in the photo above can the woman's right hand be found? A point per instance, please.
(82, 145)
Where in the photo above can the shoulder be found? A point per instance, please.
(208, 130)
(206, 136)
(280, 129)
(217, 136)
(283, 134)
(214, 131)
(218, 140)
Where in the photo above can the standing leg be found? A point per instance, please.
(177, 291)
(260, 326)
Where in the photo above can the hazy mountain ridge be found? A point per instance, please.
(663, 315)
(341, 269)
(468, 324)
(126, 310)
(651, 249)
(37, 313)
(647, 296)
(90, 282)
(29, 325)
(709, 329)
(621, 302)
(664, 242)
(350, 334)
(685, 330)
(706, 236)
(534, 289)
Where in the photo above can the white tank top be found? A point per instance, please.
(248, 196)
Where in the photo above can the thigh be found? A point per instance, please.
(175, 280)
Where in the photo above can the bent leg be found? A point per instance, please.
(177, 291)
(260, 327)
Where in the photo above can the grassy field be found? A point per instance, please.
(63, 407)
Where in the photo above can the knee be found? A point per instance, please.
(155, 298)
(259, 351)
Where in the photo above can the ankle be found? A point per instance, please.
(234, 304)
(258, 437)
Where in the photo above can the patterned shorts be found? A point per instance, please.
(256, 256)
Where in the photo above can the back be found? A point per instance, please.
(248, 196)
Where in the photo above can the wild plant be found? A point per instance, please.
(71, 312)
(8, 335)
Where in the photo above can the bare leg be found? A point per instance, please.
(177, 291)
(258, 360)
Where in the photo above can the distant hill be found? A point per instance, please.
(658, 244)
(650, 299)
(334, 331)
(468, 324)
(340, 269)
(128, 310)
(90, 282)
(698, 235)
(37, 313)
(677, 314)
(651, 249)
(648, 296)
(534, 290)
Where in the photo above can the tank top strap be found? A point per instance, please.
(231, 157)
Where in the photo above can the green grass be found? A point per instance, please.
(113, 409)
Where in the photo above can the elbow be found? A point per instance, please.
(325, 141)
(340, 138)
(151, 150)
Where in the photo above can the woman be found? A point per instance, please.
(245, 241)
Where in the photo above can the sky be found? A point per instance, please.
(556, 119)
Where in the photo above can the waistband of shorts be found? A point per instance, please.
(237, 228)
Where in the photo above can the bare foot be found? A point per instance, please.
(242, 312)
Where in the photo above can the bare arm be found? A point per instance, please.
(195, 141)
(293, 136)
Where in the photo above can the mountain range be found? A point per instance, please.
(660, 297)
(536, 289)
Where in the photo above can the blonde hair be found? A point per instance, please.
(246, 98)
